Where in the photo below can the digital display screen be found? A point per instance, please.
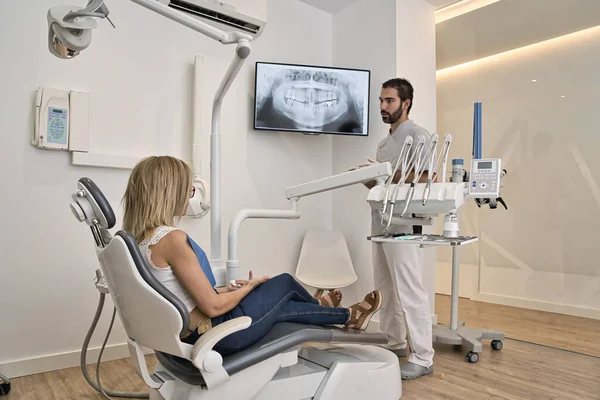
(311, 99)
(56, 110)
(485, 165)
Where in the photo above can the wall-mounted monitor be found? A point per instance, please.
(311, 99)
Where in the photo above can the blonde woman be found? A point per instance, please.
(157, 195)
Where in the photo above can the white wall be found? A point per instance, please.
(140, 77)
(373, 48)
(396, 39)
(415, 60)
(541, 253)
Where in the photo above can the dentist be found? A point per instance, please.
(398, 268)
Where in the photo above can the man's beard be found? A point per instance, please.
(390, 119)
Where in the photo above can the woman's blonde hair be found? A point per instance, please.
(157, 192)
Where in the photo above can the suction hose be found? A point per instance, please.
(96, 385)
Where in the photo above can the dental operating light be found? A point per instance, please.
(70, 27)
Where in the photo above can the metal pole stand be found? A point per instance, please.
(457, 333)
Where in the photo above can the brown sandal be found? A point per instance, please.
(359, 315)
(330, 300)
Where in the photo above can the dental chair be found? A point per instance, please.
(292, 361)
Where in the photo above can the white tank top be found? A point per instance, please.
(165, 276)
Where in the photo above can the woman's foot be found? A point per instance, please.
(332, 299)
(361, 313)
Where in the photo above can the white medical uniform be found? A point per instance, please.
(398, 271)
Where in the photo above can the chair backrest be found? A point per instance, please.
(325, 261)
(150, 314)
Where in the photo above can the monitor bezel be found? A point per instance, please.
(310, 132)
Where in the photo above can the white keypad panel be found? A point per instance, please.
(484, 179)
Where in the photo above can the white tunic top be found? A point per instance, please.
(389, 148)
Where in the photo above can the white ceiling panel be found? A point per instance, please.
(510, 24)
(335, 6)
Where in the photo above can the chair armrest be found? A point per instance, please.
(208, 361)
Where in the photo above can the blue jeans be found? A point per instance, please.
(280, 299)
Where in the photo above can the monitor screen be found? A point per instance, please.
(311, 99)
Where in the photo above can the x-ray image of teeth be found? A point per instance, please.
(311, 99)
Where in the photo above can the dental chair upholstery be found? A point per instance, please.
(154, 318)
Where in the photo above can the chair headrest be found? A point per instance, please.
(90, 205)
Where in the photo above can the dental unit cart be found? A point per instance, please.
(429, 200)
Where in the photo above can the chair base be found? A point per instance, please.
(322, 372)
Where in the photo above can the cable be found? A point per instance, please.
(442, 159)
(84, 349)
(112, 321)
(430, 168)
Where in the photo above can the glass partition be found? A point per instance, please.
(540, 105)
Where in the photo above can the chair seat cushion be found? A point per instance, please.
(283, 336)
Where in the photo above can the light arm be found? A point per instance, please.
(193, 23)
(377, 171)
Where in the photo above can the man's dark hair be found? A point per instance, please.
(404, 89)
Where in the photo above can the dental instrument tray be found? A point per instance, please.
(423, 239)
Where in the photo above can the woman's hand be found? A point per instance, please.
(257, 281)
(251, 283)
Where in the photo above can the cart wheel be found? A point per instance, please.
(472, 357)
(4, 388)
(496, 345)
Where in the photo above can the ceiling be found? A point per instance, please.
(334, 6)
(441, 3)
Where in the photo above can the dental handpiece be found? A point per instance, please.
(407, 166)
(447, 143)
(430, 166)
(429, 154)
(401, 181)
(405, 150)
(417, 175)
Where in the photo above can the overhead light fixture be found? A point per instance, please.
(446, 7)
(460, 7)
(534, 80)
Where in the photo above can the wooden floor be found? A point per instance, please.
(581, 335)
(69, 384)
(520, 371)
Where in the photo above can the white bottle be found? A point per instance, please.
(458, 171)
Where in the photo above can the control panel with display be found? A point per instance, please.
(52, 119)
(484, 179)
(58, 123)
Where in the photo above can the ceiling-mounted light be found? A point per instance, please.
(460, 7)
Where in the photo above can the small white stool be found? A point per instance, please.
(325, 262)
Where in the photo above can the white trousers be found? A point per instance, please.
(405, 315)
